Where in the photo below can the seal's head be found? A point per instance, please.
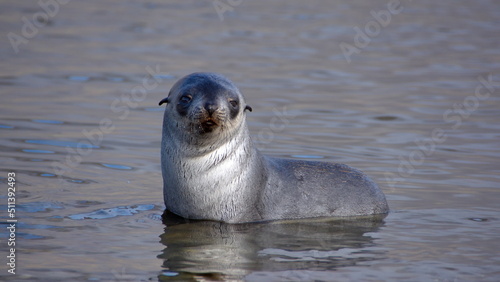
(204, 105)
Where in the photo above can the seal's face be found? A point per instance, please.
(207, 104)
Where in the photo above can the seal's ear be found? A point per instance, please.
(166, 100)
(247, 107)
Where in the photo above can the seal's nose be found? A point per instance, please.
(210, 107)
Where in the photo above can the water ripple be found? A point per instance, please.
(48, 121)
(60, 143)
(112, 212)
(115, 166)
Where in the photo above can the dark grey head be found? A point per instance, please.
(205, 101)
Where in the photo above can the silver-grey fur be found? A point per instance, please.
(212, 170)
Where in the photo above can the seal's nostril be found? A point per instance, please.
(210, 107)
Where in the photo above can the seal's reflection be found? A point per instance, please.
(207, 250)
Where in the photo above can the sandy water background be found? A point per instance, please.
(408, 93)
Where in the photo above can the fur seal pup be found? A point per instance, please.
(212, 170)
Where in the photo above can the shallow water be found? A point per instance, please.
(84, 141)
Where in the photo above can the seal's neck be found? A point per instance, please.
(216, 145)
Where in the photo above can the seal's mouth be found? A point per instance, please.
(208, 125)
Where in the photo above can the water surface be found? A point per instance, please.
(84, 141)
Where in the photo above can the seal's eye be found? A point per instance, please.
(185, 99)
(233, 103)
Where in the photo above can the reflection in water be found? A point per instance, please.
(214, 250)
